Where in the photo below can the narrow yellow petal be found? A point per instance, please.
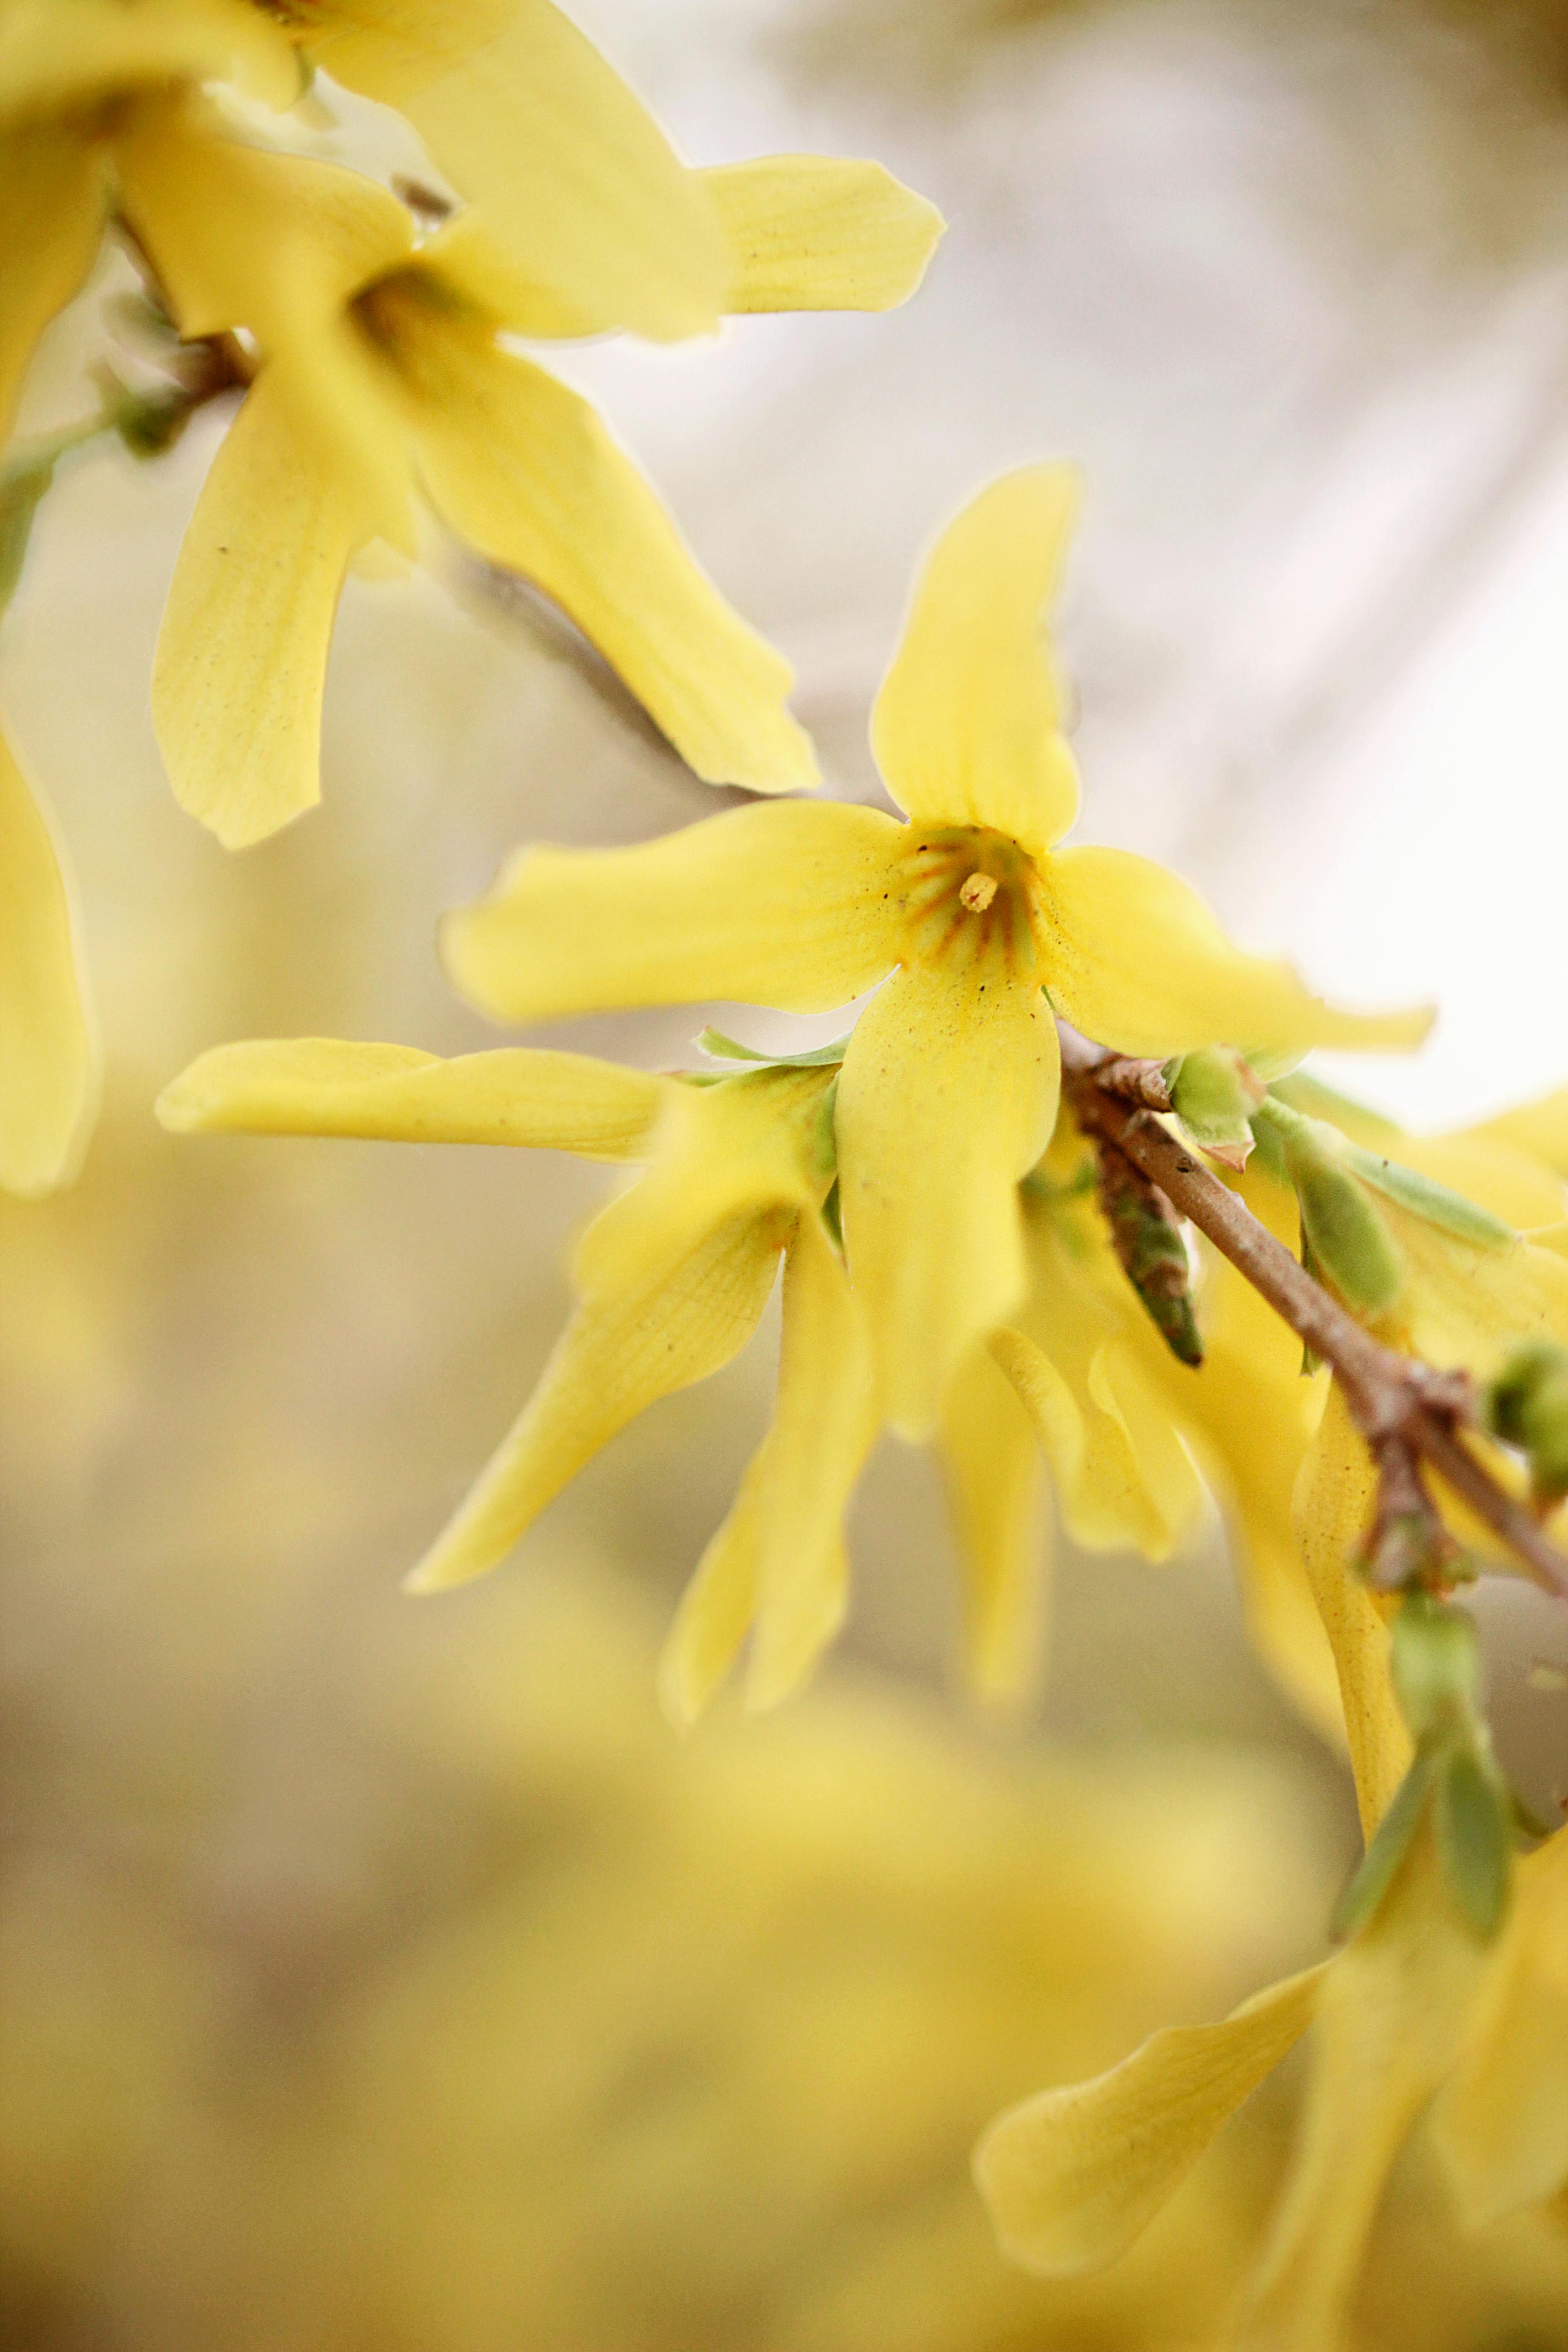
(1333, 1512)
(1135, 959)
(777, 1566)
(781, 905)
(48, 1075)
(621, 1352)
(327, 1086)
(1502, 2123)
(1115, 1490)
(990, 1467)
(820, 233)
(966, 728)
(1071, 2177)
(823, 1426)
(90, 56)
(946, 1098)
(238, 676)
(573, 174)
(527, 472)
(1392, 2013)
(52, 203)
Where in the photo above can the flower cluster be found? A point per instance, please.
(985, 1197)
(366, 329)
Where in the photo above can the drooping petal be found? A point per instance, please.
(52, 203)
(621, 1352)
(820, 233)
(1335, 1503)
(529, 121)
(946, 1098)
(48, 1076)
(1136, 961)
(84, 59)
(1071, 2177)
(777, 1566)
(967, 725)
(238, 676)
(991, 1468)
(1120, 1479)
(328, 1086)
(1391, 2017)
(781, 905)
(1502, 2123)
(527, 472)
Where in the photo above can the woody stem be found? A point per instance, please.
(1409, 1414)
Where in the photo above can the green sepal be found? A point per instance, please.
(832, 1214)
(1432, 1202)
(1315, 1101)
(719, 1049)
(1435, 1664)
(1391, 1842)
(1350, 1243)
(1473, 1817)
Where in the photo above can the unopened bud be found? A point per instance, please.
(1527, 1406)
(1214, 1093)
(1349, 1242)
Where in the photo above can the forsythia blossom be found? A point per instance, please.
(979, 925)
(378, 370)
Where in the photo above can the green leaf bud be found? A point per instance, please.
(1347, 1239)
(1527, 1406)
(1214, 1093)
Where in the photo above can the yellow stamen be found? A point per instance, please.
(977, 893)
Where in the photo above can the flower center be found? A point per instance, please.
(967, 893)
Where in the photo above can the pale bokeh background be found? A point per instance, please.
(1290, 286)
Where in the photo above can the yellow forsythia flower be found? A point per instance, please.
(948, 1087)
(1416, 2003)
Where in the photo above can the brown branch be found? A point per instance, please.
(1409, 1414)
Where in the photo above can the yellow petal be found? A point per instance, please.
(1502, 2123)
(48, 1065)
(573, 174)
(1467, 1306)
(966, 728)
(1071, 2177)
(527, 472)
(778, 1564)
(1119, 1481)
(241, 663)
(621, 1352)
(820, 233)
(1333, 1512)
(781, 905)
(1135, 959)
(990, 1467)
(1540, 1129)
(328, 1086)
(51, 201)
(1251, 1416)
(73, 57)
(245, 237)
(1392, 2016)
(946, 1098)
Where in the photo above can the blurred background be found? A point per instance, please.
(387, 1975)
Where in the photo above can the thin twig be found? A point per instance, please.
(1407, 1413)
